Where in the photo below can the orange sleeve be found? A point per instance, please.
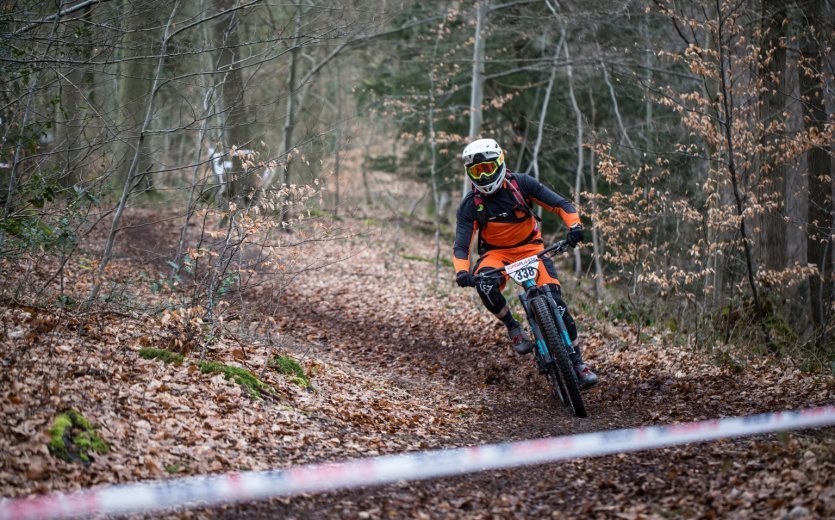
(569, 218)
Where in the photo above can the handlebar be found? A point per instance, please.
(558, 247)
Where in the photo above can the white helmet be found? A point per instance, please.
(484, 163)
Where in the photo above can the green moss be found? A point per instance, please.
(72, 437)
(162, 354)
(288, 366)
(254, 386)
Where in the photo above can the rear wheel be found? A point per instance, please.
(563, 377)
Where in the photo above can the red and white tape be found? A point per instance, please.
(146, 497)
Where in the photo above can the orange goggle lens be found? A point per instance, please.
(483, 169)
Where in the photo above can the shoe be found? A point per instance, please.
(521, 343)
(585, 376)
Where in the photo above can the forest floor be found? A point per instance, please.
(399, 359)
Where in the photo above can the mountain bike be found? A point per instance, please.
(553, 348)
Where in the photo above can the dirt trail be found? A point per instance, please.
(404, 332)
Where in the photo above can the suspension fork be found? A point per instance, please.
(566, 339)
(541, 348)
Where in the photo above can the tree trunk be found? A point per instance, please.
(136, 74)
(366, 185)
(597, 250)
(338, 140)
(772, 106)
(578, 176)
(477, 82)
(819, 169)
(71, 118)
(133, 170)
(236, 124)
(290, 116)
(544, 111)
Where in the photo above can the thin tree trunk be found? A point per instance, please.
(595, 239)
(135, 79)
(578, 119)
(209, 111)
(772, 106)
(477, 84)
(69, 128)
(236, 127)
(364, 170)
(624, 134)
(597, 249)
(289, 117)
(544, 111)
(648, 102)
(523, 147)
(338, 144)
(433, 174)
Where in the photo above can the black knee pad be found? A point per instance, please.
(562, 307)
(491, 295)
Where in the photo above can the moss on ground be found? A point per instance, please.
(161, 354)
(288, 366)
(73, 437)
(254, 386)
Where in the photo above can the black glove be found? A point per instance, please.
(464, 279)
(575, 235)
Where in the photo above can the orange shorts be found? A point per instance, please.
(502, 257)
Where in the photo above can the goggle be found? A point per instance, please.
(481, 170)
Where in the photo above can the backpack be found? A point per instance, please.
(481, 210)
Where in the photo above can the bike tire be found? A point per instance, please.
(563, 369)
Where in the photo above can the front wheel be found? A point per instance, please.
(564, 378)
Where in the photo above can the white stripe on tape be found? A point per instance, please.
(236, 487)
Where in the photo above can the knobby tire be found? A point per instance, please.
(565, 376)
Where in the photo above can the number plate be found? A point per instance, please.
(524, 269)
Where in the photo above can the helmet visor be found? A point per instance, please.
(483, 172)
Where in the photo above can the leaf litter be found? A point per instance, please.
(397, 361)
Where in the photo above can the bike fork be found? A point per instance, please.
(541, 348)
(566, 339)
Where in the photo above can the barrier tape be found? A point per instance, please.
(198, 491)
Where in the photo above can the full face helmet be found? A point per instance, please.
(484, 163)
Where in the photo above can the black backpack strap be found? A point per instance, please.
(480, 210)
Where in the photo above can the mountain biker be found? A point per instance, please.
(499, 208)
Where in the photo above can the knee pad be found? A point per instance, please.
(491, 295)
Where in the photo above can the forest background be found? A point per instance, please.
(696, 138)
